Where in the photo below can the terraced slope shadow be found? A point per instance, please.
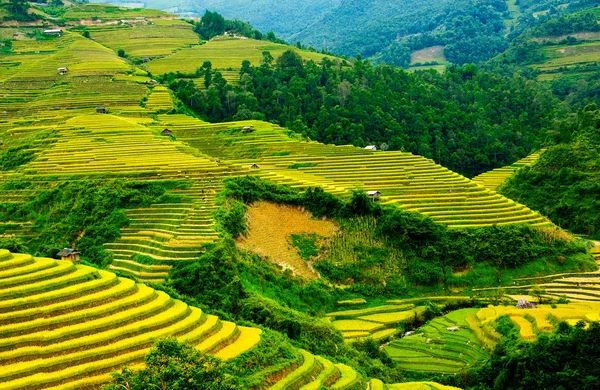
(68, 326)
(411, 182)
(495, 178)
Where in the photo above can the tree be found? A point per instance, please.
(121, 53)
(207, 66)
(173, 365)
(57, 3)
(18, 7)
(211, 25)
(289, 60)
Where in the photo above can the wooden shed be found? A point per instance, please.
(101, 110)
(371, 147)
(254, 166)
(166, 133)
(63, 70)
(69, 254)
(374, 195)
(247, 129)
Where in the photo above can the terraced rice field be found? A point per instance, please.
(576, 287)
(224, 54)
(70, 325)
(140, 40)
(543, 318)
(160, 99)
(495, 178)
(379, 322)
(435, 349)
(411, 182)
(105, 12)
(570, 55)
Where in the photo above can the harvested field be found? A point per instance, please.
(269, 227)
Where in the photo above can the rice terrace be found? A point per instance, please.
(188, 202)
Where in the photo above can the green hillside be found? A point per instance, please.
(283, 218)
(564, 182)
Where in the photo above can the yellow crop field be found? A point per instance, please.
(356, 325)
(47, 341)
(543, 316)
(161, 38)
(224, 54)
(270, 225)
(525, 327)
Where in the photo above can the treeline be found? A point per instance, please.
(214, 24)
(465, 119)
(564, 359)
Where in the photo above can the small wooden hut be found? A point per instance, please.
(166, 133)
(69, 254)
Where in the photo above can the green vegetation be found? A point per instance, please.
(170, 365)
(384, 111)
(85, 214)
(564, 183)
(546, 363)
(435, 349)
(103, 148)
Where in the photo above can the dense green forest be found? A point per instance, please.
(565, 182)
(465, 119)
(565, 359)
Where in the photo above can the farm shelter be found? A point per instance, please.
(166, 133)
(69, 254)
(371, 147)
(254, 166)
(101, 110)
(375, 195)
(248, 129)
(55, 31)
(63, 70)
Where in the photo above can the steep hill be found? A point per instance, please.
(564, 183)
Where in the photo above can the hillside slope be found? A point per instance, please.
(71, 325)
(565, 182)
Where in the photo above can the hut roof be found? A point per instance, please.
(67, 252)
(370, 193)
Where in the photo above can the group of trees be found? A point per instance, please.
(465, 119)
(214, 24)
(565, 359)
